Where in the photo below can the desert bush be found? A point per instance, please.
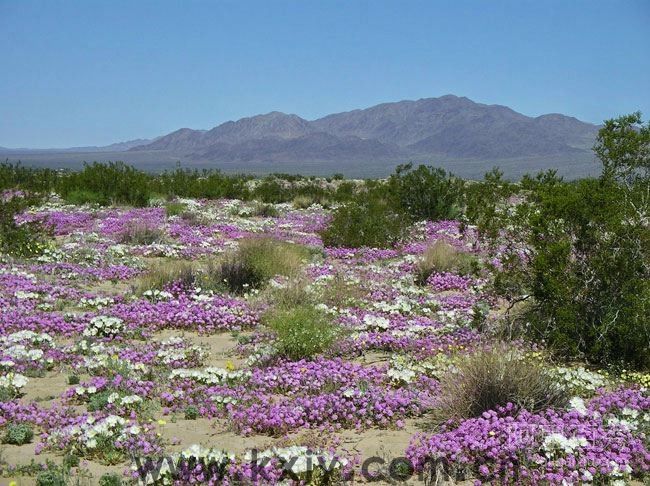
(18, 434)
(20, 240)
(585, 270)
(302, 332)
(191, 413)
(83, 196)
(367, 221)
(174, 208)
(425, 192)
(52, 476)
(443, 257)
(112, 183)
(485, 202)
(265, 210)
(491, 378)
(141, 234)
(110, 479)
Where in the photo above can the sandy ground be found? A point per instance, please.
(383, 445)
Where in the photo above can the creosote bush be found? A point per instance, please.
(367, 221)
(442, 257)
(20, 240)
(495, 377)
(302, 332)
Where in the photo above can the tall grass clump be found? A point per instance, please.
(257, 260)
(442, 257)
(302, 332)
(141, 234)
(164, 273)
(492, 378)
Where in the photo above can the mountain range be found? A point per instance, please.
(455, 132)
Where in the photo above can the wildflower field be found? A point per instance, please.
(312, 331)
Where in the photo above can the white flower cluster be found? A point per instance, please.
(164, 250)
(177, 349)
(22, 295)
(375, 323)
(558, 444)
(211, 375)
(298, 459)
(630, 419)
(104, 326)
(100, 357)
(579, 379)
(51, 256)
(86, 434)
(13, 383)
(96, 302)
(20, 346)
(403, 370)
(124, 400)
(156, 295)
(18, 273)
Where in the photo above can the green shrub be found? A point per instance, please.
(70, 460)
(302, 202)
(191, 413)
(111, 183)
(73, 380)
(110, 479)
(367, 221)
(492, 378)
(302, 332)
(82, 196)
(18, 434)
(51, 477)
(21, 240)
(98, 401)
(425, 193)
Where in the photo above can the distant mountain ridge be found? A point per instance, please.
(454, 132)
(449, 127)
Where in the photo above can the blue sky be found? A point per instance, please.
(92, 73)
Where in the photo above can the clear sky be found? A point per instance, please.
(93, 73)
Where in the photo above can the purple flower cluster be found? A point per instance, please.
(553, 447)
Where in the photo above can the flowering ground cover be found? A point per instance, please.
(105, 370)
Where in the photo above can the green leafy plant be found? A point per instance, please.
(18, 434)
(302, 332)
(110, 479)
(191, 413)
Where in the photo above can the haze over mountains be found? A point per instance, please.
(455, 132)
